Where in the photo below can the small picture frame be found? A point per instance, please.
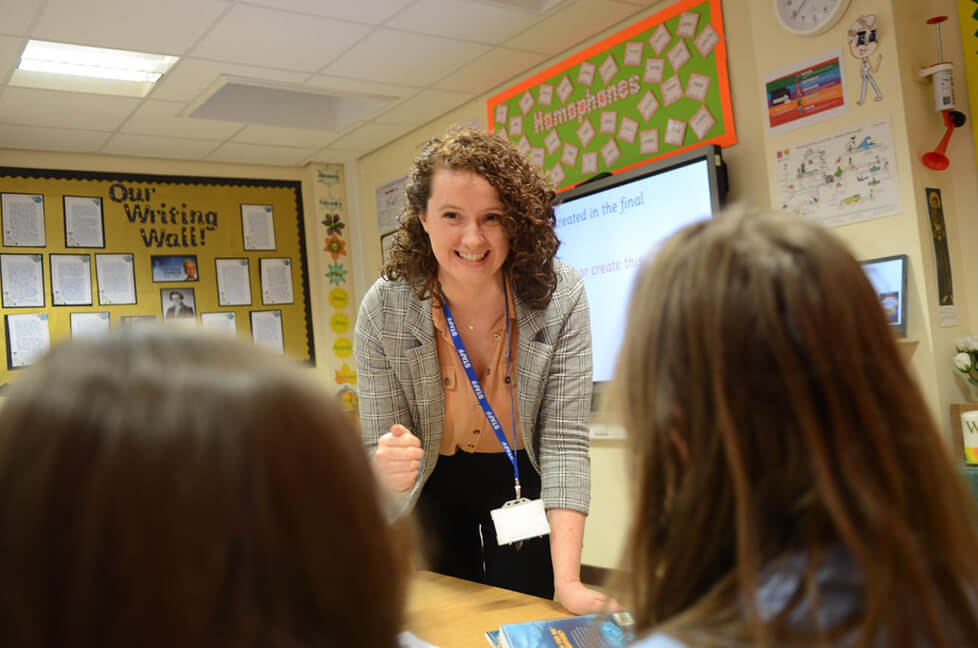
(174, 267)
(964, 429)
(178, 303)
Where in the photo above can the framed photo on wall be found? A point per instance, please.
(174, 267)
(178, 303)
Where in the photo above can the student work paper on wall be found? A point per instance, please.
(115, 279)
(22, 279)
(846, 177)
(28, 338)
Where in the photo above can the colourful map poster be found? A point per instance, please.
(812, 91)
(652, 90)
(842, 178)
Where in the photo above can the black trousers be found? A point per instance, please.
(458, 536)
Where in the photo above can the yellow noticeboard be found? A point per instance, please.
(223, 251)
(968, 14)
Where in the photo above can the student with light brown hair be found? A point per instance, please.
(170, 488)
(791, 488)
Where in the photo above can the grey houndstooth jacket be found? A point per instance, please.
(399, 381)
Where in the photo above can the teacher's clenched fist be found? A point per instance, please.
(398, 458)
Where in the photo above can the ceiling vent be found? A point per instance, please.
(529, 6)
(261, 102)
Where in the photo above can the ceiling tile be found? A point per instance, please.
(277, 39)
(488, 71)
(370, 137)
(64, 109)
(161, 147)
(571, 26)
(163, 118)
(464, 20)
(50, 139)
(255, 154)
(170, 27)
(17, 16)
(190, 77)
(276, 136)
(373, 12)
(423, 107)
(401, 57)
(10, 49)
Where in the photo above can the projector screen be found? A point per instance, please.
(607, 228)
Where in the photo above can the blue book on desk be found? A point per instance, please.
(588, 631)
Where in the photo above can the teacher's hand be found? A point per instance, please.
(398, 459)
(578, 599)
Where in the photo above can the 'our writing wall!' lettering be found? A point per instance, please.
(163, 225)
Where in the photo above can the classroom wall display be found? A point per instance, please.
(652, 90)
(152, 235)
(337, 280)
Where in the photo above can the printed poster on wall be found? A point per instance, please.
(843, 178)
(806, 93)
(390, 202)
(652, 90)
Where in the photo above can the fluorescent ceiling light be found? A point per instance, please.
(95, 62)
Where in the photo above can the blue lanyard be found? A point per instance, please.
(480, 395)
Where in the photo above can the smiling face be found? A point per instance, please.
(462, 220)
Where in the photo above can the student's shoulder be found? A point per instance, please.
(658, 640)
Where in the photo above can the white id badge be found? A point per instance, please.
(518, 520)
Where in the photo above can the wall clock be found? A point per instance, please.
(809, 17)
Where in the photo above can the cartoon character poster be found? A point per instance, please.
(863, 44)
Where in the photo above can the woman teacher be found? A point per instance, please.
(474, 257)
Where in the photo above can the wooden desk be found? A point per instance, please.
(455, 613)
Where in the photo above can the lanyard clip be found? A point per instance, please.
(519, 490)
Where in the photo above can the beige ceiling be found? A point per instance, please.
(425, 57)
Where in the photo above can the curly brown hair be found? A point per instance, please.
(528, 219)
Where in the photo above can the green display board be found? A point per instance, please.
(652, 90)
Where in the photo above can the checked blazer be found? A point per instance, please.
(399, 380)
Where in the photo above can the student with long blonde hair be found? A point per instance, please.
(791, 486)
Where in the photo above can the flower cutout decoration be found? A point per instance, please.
(336, 247)
(333, 224)
(336, 274)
